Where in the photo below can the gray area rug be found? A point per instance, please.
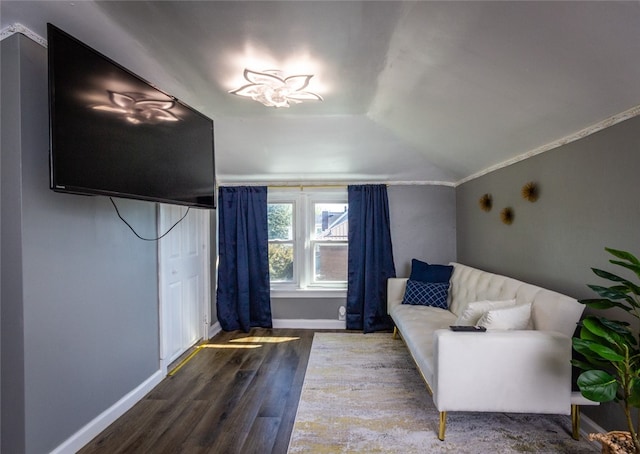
(363, 394)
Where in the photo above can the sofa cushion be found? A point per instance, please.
(423, 272)
(417, 325)
(470, 284)
(516, 317)
(426, 293)
(477, 309)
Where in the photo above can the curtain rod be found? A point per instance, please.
(302, 186)
(334, 184)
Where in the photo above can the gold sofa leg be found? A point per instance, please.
(443, 425)
(576, 401)
(575, 422)
(395, 332)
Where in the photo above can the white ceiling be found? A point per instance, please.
(413, 91)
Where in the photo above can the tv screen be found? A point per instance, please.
(112, 133)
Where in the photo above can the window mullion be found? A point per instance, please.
(301, 240)
(308, 252)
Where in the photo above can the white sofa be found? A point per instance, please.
(519, 371)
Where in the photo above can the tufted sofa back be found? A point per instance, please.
(550, 311)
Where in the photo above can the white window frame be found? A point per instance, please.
(303, 221)
(281, 198)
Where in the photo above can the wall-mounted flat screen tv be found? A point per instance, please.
(113, 133)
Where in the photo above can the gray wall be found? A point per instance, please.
(306, 308)
(423, 220)
(80, 301)
(10, 315)
(588, 200)
(423, 225)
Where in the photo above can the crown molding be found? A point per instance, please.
(330, 184)
(19, 28)
(604, 124)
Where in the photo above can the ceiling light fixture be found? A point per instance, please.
(273, 90)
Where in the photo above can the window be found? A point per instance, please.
(281, 247)
(308, 239)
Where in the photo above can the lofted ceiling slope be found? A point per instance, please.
(413, 91)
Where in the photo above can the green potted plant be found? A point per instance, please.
(611, 348)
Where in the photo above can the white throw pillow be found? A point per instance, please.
(477, 309)
(516, 317)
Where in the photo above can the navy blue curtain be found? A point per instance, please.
(243, 296)
(370, 258)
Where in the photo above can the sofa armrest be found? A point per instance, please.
(395, 291)
(502, 371)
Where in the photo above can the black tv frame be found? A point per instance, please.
(204, 198)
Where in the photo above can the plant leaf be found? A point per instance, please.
(621, 328)
(616, 334)
(586, 334)
(612, 293)
(632, 266)
(624, 255)
(597, 385)
(615, 278)
(582, 346)
(600, 303)
(583, 365)
(606, 352)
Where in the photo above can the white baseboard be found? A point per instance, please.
(293, 323)
(107, 417)
(309, 324)
(214, 329)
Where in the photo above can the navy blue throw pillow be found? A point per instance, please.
(423, 272)
(426, 293)
(419, 270)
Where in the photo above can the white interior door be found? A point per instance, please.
(184, 280)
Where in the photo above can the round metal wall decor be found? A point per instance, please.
(507, 216)
(485, 202)
(530, 191)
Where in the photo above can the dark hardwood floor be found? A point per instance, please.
(236, 395)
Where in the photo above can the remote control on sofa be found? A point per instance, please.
(474, 329)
